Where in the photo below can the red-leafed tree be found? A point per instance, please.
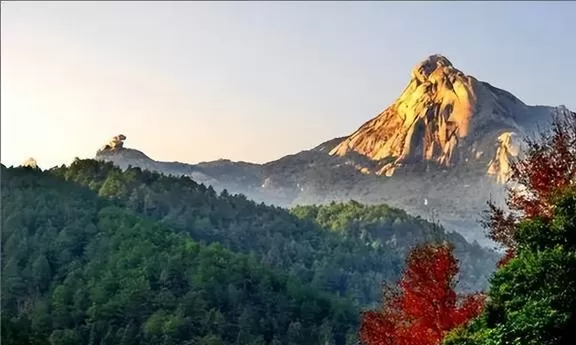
(423, 306)
(547, 168)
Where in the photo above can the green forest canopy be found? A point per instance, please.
(95, 255)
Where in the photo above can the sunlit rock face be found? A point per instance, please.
(508, 149)
(443, 117)
(30, 163)
(115, 144)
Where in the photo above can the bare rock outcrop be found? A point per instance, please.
(116, 143)
(508, 149)
(30, 163)
(444, 118)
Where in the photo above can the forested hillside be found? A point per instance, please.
(92, 254)
(382, 225)
(78, 270)
(329, 260)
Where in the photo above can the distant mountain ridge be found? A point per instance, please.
(441, 150)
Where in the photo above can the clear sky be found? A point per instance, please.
(253, 81)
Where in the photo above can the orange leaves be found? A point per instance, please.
(423, 307)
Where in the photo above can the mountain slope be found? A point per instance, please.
(78, 270)
(441, 150)
(345, 265)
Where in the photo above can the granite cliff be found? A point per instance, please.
(443, 119)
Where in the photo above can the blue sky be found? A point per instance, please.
(253, 81)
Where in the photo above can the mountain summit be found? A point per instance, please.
(443, 118)
(441, 150)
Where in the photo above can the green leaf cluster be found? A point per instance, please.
(532, 299)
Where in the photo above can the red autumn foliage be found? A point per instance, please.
(549, 166)
(508, 255)
(423, 306)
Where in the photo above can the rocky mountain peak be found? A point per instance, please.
(444, 118)
(115, 151)
(115, 144)
(432, 64)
